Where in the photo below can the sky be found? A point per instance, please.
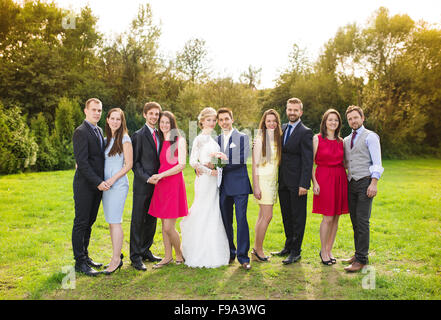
(240, 33)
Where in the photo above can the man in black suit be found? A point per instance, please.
(294, 179)
(88, 184)
(146, 149)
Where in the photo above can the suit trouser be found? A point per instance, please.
(360, 206)
(293, 208)
(243, 233)
(142, 227)
(87, 203)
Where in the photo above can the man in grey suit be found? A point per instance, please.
(363, 160)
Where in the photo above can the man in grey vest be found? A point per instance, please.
(363, 160)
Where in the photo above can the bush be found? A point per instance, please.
(18, 149)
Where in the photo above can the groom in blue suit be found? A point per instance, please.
(235, 186)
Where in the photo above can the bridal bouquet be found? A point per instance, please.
(217, 158)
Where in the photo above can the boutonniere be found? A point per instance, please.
(232, 145)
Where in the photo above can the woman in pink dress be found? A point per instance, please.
(169, 200)
(330, 184)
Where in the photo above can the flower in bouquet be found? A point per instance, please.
(218, 159)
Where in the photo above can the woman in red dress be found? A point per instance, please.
(169, 200)
(330, 183)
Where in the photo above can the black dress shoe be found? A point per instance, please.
(139, 266)
(93, 264)
(282, 253)
(151, 257)
(84, 268)
(291, 258)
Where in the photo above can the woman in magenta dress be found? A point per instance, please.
(330, 184)
(169, 201)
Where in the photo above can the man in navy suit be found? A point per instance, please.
(295, 173)
(235, 186)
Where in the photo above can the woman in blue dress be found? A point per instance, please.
(118, 161)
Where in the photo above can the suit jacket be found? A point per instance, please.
(89, 156)
(235, 180)
(145, 160)
(297, 159)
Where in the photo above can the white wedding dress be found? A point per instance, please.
(204, 240)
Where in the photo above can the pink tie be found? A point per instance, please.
(154, 138)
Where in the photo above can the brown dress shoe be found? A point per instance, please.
(351, 260)
(355, 267)
(246, 266)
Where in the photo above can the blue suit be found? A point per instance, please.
(234, 191)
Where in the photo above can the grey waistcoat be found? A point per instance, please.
(358, 158)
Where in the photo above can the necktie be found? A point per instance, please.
(98, 136)
(354, 134)
(156, 141)
(287, 134)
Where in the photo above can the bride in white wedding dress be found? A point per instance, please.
(204, 240)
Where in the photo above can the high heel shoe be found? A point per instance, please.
(256, 257)
(160, 265)
(326, 263)
(107, 265)
(117, 268)
(178, 262)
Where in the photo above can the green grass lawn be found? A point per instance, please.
(37, 212)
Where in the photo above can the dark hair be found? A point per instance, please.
(151, 105)
(323, 130)
(175, 134)
(277, 135)
(354, 108)
(225, 110)
(117, 147)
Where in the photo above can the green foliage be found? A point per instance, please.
(18, 150)
(391, 67)
(67, 118)
(47, 158)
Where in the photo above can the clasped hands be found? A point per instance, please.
(106, 185)
(154, 179)
(217, 155)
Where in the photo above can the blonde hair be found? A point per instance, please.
(205, 113)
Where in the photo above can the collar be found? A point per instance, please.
(150, 128)
(359, 130)
(229, 133)
(294, 125)
(91, 125)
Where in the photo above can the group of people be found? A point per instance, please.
(344, 180)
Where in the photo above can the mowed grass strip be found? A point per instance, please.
(37, 212)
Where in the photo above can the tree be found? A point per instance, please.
(47, 157)
(192, 61)
(67, 118)
(18, 150)
(251, 77)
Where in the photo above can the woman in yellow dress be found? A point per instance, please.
(267, 153)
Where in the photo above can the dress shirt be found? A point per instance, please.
(373, 144)
(227, 138)
(95, 127)
(293, 125)
(157, 138)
